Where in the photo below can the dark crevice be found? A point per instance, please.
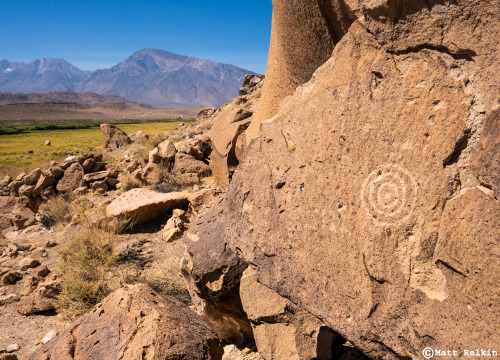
(462, 54)
(338, 19)
(448, 266)
(460, 146)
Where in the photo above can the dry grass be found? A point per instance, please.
(28, 149)
(129, 182)
(86, 261)
(57, 209)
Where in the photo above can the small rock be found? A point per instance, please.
(43, 272)
(49, 336)
(12, 348)
(38, 253)
(11, 278)
(181, 124)
(8, 299)
(50, 244)
(47, 143)
(28, 263)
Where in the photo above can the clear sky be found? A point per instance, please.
(94, 34)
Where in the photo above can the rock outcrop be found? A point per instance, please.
(114, 138)
(213, 272)
(370, 198)
(227, 134)
(135, 323)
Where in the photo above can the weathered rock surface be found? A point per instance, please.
(212, 272)
(114, 138)
(187, 164)
(72, 178)
(138, 136)
(7, 204)
(369, 198)
(41, 298)
(282, 330)
(164, 153)
(135, 323)
(144, 205)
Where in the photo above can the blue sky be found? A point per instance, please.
(94, 34)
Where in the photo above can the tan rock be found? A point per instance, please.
(57, 171)
(187, 164)
(7, 204)
(138, 136)
(164, 153)
(96, 176)
(175, 226)
(32, 177)
(88, 164)
(8, 299)
(136, 323)
(212, 272)
(200, 198)
(114, 138)
(46, 179)
(102, 184)
(42, 298)
(72, 179)
(11, 277)
(144, 205)
(28, 263)
(358, 199)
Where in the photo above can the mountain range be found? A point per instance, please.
(156, 77)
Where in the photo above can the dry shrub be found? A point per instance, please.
(129, 182)
(85, 263)
(56, 210)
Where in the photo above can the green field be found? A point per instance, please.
(15, 148)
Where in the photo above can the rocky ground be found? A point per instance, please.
(347, 207)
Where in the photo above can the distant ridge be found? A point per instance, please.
(88, 100)
(150, 76)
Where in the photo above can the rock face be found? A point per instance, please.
(369, 198)
(303, 36)
(72, 178)
(227, 135)
(114, 138)
(135, 323)
(212, 272)
(143, 205)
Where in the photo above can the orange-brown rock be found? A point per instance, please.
(114, 138)
(143, 205)
(212, 272)
(135, 323)
(72, 178)
(7, 204)
(303, 37)
(369, 197)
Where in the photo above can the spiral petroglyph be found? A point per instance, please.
(389, 194)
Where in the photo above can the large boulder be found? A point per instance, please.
(114, 138)
(163, 154)
(303, 36)
(143, 205)
(369, 197)
(72, 178)
(135, 323)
